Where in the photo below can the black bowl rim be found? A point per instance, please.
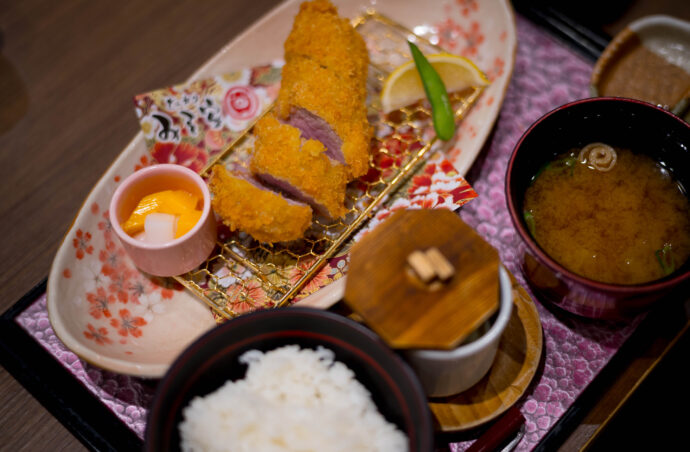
(424, 432)
(651, 286)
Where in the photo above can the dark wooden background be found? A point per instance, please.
(68, 71)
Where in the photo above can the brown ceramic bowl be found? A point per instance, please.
(619, 122)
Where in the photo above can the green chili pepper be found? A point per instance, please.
(441, 110)
(666, 260)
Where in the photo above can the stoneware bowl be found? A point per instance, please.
(448, 372)
(181, 254)
(619, 122)
(213, 359)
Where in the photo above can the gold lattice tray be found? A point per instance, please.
(244, 275)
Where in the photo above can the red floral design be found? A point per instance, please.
(467, 6)
(496, 69)
(99, 335)
(448, 168)
(127, 324)
(423, 193)
(138, 288)
(241, 103)
(99, 303)
(112, 258)
(248, 298)
(81, 243)
(423, 180)
(167, 286)
(448, 34)
(473, 39)
(319, 280)
(185, 154)
(143, 163)
(119, 283)
(453, 37)
(241, 304)
(106, 226)
(428, 201)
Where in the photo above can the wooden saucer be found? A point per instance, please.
(516, 363)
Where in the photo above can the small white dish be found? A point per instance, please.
(448, 372)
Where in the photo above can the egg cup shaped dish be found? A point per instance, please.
(179, 255)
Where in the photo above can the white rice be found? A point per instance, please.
(291, 399)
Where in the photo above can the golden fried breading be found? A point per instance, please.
(306, 84)
(320, 34)
(263, 214)
(299, 167)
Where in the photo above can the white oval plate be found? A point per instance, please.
(114, 317)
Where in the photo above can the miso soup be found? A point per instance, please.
(618, 218)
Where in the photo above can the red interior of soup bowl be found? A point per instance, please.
(624, 123)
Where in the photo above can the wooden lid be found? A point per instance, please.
(392, 298)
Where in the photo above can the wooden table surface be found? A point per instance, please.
(68, 71)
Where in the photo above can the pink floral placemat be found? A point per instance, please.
(546, 74)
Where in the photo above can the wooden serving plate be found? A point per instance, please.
(516, 363)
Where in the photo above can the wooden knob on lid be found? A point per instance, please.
(423, 279)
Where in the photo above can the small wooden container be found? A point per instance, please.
(425, 281)
(397, 302)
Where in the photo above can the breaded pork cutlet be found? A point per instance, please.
(318, 33)
(326, 108)
(244, 204)
(299, 167)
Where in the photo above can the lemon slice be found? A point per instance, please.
(404, 87)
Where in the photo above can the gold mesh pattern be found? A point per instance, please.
(243, 274)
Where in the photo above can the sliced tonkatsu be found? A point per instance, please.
(245, 204)
(326, 108)
(284, 159)
(314, 142)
